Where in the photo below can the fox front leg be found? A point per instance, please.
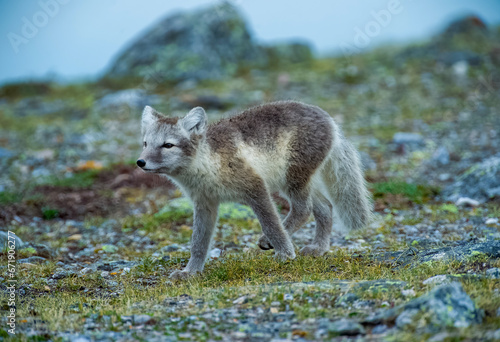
(205, 217)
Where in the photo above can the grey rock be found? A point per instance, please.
(404, 138)
(480, 182)
(81, 339)
(406, 318)
(446, 306)
(346, 327)
(41, 250)
(436, 280)
(86, 270)
(62, 274)
(380, 329)
(460, 251)
(466, 202)
(4, 238)
(138, 319)
(493, 273)
(5, 154)
(209, 43)
(105, 267)
(441, 156)
(32, 260)
(170, 248)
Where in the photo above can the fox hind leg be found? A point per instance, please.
(300, 210)
(323, 213)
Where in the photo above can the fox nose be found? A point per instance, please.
(141, 163)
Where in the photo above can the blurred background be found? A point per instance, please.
(414, 84)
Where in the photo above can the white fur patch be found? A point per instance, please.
(271, 166)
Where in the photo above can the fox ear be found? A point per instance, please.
(195, 121)
(149, 117)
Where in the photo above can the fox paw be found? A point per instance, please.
(313, 250)
(284, 256)
(180, 275)
(264, 243)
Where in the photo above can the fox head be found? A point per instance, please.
(170, 144)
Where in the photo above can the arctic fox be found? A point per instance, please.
(287, 147)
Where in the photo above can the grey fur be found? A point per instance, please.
(287, 147)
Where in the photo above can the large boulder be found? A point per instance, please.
(209, 43)
(462, 40)
(204, 44)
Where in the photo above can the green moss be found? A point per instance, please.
(416, 193)
(49, 213)
(79, 180)
(7, 197)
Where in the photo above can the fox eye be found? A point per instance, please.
(167, 145)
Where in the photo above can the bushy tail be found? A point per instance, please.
(351, 198)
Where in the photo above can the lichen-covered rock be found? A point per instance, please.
(448, 46)
(445, 306)
(205, 44)
(481, 182)
(209, 43)
(461, 251)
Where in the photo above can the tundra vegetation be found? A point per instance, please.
(98, 237)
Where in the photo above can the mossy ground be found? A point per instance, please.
(265, 283)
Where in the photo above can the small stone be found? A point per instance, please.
(491, 221)
(287, 296)
(443, 177)
(142, 319)
(110, 248)
(215, 253)
(346, 327)
(276, 303)
(380, 329)
(170, 248)
(75, 237)
(85, 270)
(466, 201)
(81, 339)
(408, 293)
(32, 260)
(240, 300)
(404, 138)
(104, 274)
(60, 275)
(438, 279)
(441, 156)
(238, 335)
(493, 273)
